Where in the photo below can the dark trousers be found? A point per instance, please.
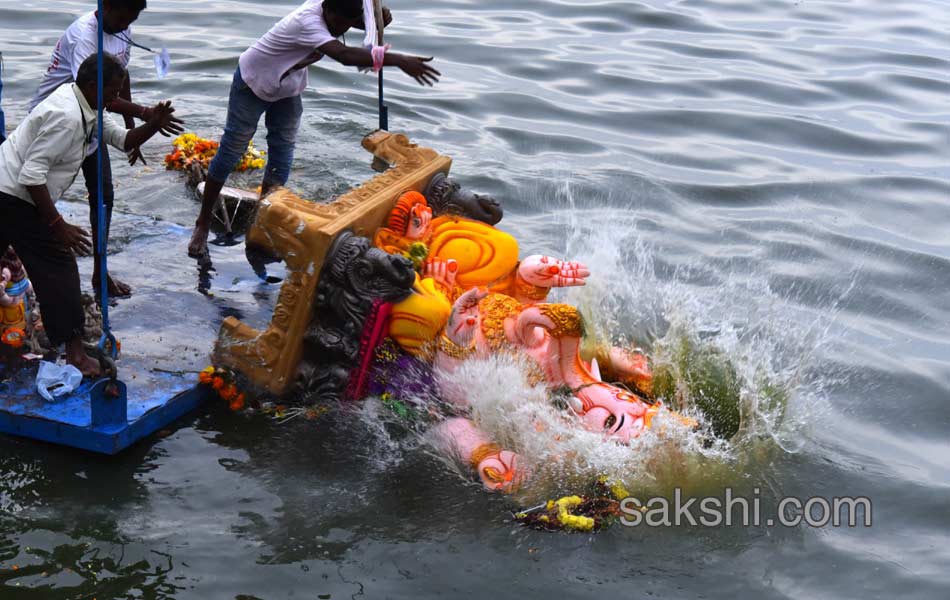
(52, 269)
(91, 175)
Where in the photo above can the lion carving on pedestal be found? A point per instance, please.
(357, 279)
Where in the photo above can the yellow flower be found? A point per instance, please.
(578, 522)
(568, 502)
(616, 487)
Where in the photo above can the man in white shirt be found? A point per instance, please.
(77, 43)
(38, 162)
(269, 80)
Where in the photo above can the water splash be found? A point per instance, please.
(558, 453)
(728, 342)
(721, 341)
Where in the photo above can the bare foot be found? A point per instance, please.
(198, 246)
(77, 357)
(87, 365)
(117, 289)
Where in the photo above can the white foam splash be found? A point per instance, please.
(560, 455)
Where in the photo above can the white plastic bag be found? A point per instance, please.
(53, 381)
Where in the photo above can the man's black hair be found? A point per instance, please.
(111, 68)
(351, 9)
(136, 5)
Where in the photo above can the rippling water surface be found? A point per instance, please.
(773, 176)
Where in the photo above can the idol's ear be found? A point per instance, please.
(595, 370)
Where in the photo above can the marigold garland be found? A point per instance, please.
(189, 148)
(225, 383)
(222, 381)
(13, 337)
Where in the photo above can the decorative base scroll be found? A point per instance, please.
(301, 234)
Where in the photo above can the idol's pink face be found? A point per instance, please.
(611, 410)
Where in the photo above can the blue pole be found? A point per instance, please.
(3, 125)
(101, 244)
(383, 109)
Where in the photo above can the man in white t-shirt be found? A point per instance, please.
(270, 78)
(79, 42)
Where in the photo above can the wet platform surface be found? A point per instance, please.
(167, 330)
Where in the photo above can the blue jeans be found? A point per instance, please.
(282, 119)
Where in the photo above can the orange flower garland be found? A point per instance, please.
(13, 337)
(222, 381)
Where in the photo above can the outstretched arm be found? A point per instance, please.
(416, 67)
(121, 106)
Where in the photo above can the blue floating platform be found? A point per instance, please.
(167, 329)
(90, 419)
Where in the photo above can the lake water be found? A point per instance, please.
(772, 176)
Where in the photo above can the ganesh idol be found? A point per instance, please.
(474, 298)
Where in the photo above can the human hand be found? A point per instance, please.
(387, 16)
(161, 116)
(135, 155)
(72, 238)
(416, 67)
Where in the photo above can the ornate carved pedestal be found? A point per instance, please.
(301, 233)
